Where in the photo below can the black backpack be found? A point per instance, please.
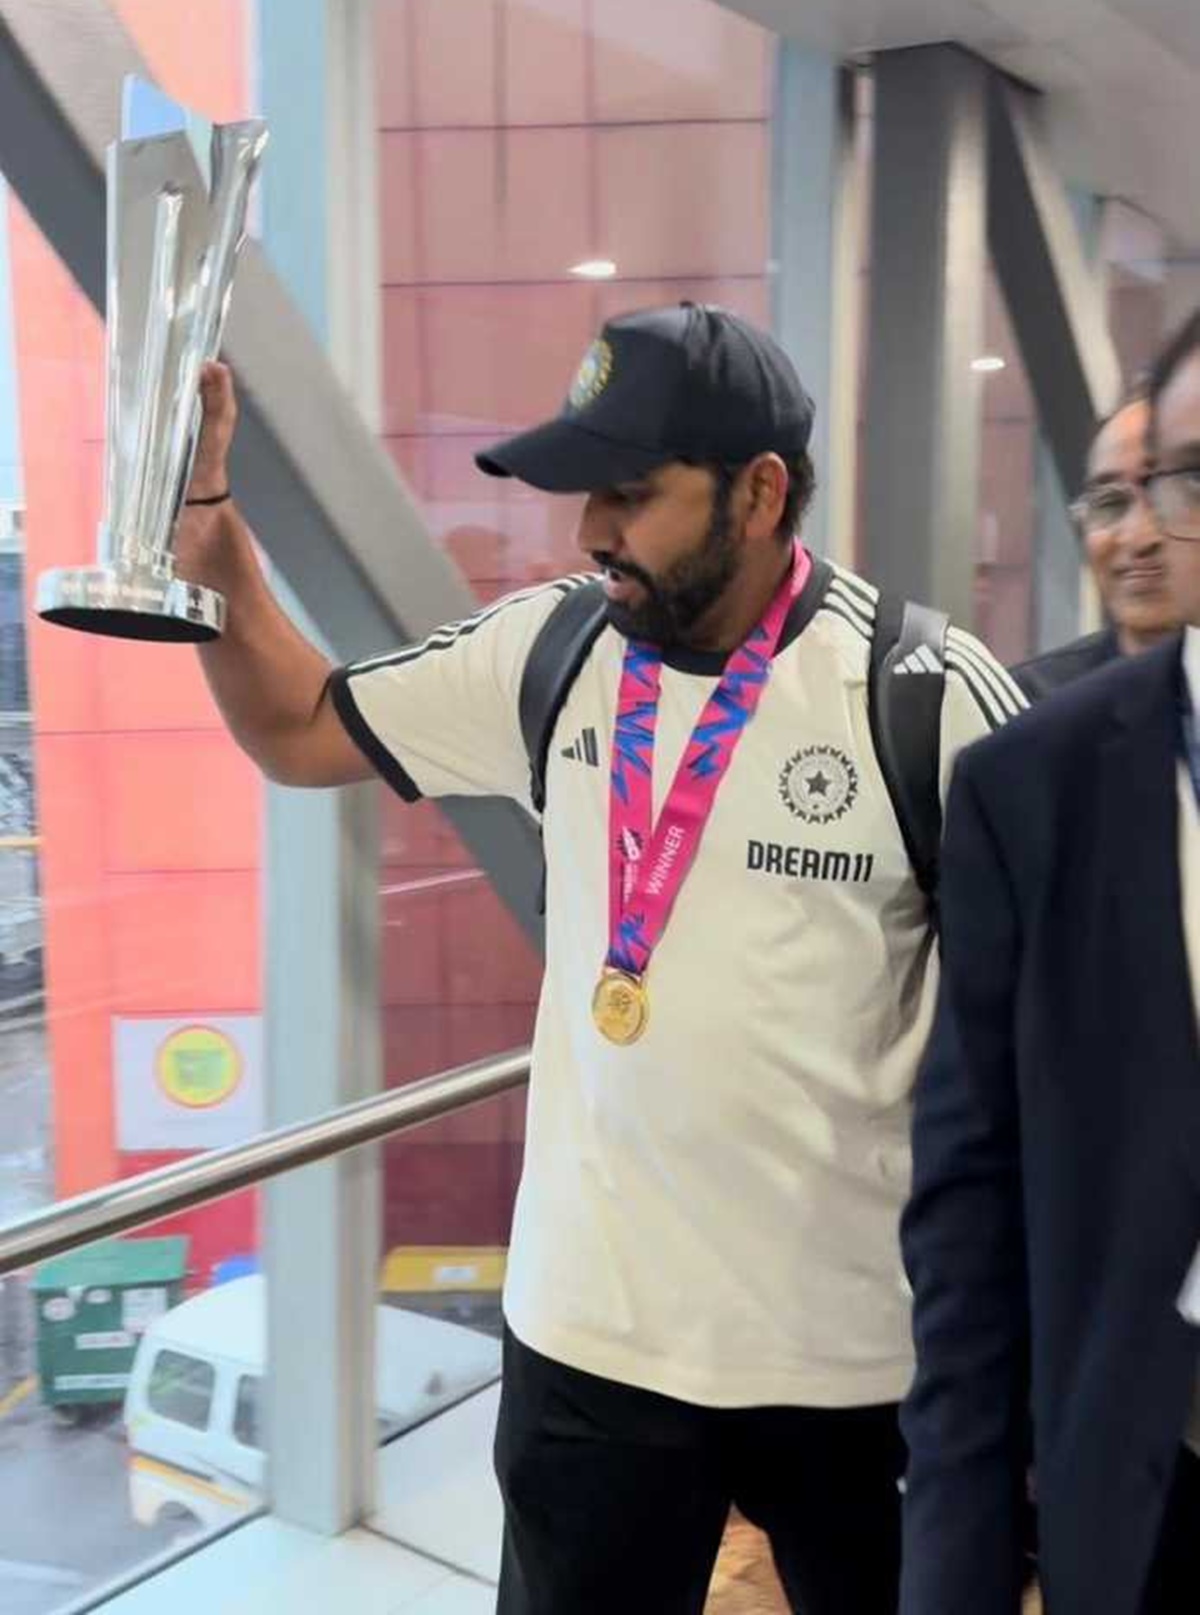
(906, 683)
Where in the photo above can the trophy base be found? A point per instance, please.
(102, 600)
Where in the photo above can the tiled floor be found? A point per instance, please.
(433, 1548)
(265, 1567)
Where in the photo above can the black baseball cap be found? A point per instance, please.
(689, 382)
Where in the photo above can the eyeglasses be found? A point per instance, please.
(1173, 498)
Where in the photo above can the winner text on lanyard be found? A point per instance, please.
(647, 867)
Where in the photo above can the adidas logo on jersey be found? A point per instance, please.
(921, 660)
(584, 750)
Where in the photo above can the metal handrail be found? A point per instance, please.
(103, 1212)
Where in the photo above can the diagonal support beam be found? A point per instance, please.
(333, 514)
(1055, 298)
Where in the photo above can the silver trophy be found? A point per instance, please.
(177, 203)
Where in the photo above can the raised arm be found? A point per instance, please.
(271, 685)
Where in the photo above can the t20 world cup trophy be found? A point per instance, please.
(176, 220)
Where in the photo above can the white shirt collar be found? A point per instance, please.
(1191, 664)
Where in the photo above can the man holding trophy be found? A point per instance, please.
(705, 1300)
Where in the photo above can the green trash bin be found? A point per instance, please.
(92, 1308)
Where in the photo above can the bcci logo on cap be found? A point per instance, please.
(592, 376)
(819, 784)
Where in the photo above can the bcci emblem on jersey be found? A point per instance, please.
(819, 784)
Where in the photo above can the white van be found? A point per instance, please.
(193, 1410)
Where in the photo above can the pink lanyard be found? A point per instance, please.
(646, 870)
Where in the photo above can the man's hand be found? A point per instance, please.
(210, 472)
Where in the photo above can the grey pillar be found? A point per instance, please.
(925, 325)
(816, 256)
(323, 1222)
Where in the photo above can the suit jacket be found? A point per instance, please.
(1041, 675)
(1056, 1199)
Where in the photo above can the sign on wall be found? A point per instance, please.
(187, 1084)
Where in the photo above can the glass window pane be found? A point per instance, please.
(1134, 254)
(181, 1389)
(129, 970)
(1006, 533)
(450, 1189)
(120, 1370)
(129, 946)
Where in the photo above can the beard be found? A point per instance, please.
(682, 595)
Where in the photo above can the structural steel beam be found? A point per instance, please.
(1055, 298)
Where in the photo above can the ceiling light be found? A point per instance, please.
(595, 269)
(989, 363)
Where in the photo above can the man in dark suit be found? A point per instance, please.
(1056, 1203)
(1126, 551)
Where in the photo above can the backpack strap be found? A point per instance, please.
(562, 646)
(906, 684)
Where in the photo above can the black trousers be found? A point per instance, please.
(616, 1498)
(1174, 1586)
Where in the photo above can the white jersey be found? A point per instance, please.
(711, 1212)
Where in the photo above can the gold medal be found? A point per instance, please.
(620, 1007)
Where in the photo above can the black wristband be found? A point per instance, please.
(213, 499)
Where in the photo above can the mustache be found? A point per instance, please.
(625, 569)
